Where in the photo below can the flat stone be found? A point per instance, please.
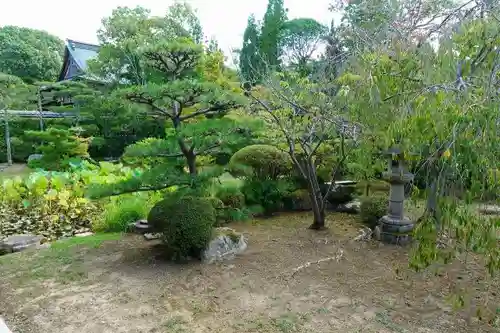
(352, 207)
(33, 157)
(84, 234)
(225, 246)
(344, 182)
(489, 210)
(17, 243)
(152, 236)
(141, 226)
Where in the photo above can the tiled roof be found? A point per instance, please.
(82, 52)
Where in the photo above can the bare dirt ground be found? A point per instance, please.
(13, 170)
(119, 286)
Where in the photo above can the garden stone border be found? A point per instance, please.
(21, 242)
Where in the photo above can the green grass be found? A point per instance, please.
(63, 262)
(94, 241)
(123, 210)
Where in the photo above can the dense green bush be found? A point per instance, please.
(231, 196)
(186, 224)
(373, 208)
(298, 200)
(57, 146)
(110, 135)
(226, 214)
(267, 193)
(260, 161)
(22, 148)
(52, 205)
(219, 208)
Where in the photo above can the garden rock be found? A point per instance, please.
(34, 157)
(489, 210)
(225, 246)
(152, 236)
(352, 207)
(141, 227)
(341, 193)
(84, 234)
(17, 243)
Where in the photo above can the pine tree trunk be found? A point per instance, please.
(191, 161)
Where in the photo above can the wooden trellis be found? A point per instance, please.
(26, 114)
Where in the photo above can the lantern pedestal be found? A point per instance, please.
(395, 228)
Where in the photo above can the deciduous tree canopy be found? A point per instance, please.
(32, 55)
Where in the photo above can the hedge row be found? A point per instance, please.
(106, 143)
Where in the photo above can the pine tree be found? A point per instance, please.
(194, 104)
(270, 41)
(250, 59)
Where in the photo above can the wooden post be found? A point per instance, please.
(40, 108)
(7, 137)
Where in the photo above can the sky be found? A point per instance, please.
(79, 20)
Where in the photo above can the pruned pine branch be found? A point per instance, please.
(212, 109)
(144, 98)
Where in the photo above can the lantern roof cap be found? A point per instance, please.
(397, 150)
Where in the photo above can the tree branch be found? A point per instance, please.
(145, 189)
(206, 111)
(337, 167)
(141, 98)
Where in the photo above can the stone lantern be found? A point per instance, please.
(395, 228)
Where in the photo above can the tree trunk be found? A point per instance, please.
(40, 111)
(191, 161)
(188, 153)
(317, 203)
(319, 216)
(7, 137)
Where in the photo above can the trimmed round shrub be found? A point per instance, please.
(260, 161)
(186, 225)
(372, 209)
(267, 193)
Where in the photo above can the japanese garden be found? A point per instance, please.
(321, 178)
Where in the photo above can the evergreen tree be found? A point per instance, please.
(194, 103)
(250, 59)
(270, 41)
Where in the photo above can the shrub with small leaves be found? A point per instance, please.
(219, 208)
(372, 209)
(298, 200)
(186, 225)
(267, 193)
(231, 196)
